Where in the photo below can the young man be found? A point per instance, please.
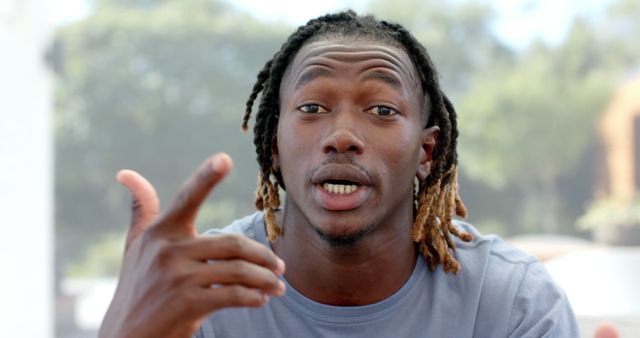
(353, 124)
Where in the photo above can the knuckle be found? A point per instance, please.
(136, 205)
(204, 176)
(235, 242)
(178, 276)
(136, 212)
(236, 294)
(240, 270)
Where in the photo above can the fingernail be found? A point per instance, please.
(119, 175)
(265, 298)
(282, 287)
(280, 267)
(220, 162)
(216, 164)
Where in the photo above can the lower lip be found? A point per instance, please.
(341, 202)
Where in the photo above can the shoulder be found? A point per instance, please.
(494, 259)
(490, 260)
(248, 226)
(492, 246)
(516, 284)
(490, 264)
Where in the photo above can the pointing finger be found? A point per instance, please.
(145, 205)
(195, 190)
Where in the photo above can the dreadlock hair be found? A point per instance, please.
(436, 198)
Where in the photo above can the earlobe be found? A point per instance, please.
(423, 171)
(429, 140)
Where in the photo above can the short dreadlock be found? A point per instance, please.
(436, 198)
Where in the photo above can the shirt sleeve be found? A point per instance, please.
(541, 308)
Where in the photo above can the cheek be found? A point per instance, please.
(294, 148)
(402, 156)
(291, 142)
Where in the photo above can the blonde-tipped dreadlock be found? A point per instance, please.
(268, 199)
(433, 226)
(437, 197)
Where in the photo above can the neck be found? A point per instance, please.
(363, 272)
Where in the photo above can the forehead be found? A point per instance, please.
(351, 51)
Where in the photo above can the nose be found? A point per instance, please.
(344, 136)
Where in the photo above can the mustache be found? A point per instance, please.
(341, 159)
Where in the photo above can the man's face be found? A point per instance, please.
(350, 137)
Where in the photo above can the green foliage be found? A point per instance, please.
(527, 119)
(531, 119)
(158, 85)
(610, 212)
(102, 259)
(531, 122)
(457, 34)
(155, 88)
(623, 31)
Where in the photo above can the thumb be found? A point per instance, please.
(145, 205)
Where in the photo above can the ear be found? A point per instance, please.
(429, 138)
(275, 154)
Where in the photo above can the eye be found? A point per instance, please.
(312, 108)
(382, 111)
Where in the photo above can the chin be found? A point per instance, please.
(338, 236)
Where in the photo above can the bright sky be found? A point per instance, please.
(519, 21)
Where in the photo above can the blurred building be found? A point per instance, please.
(26, 253)
(615, 217)
(620, 130)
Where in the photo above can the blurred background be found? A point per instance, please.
(547, 93)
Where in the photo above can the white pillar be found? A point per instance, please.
(26, 143)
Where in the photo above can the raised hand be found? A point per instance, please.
(165, 284)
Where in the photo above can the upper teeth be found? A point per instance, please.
(340, 188)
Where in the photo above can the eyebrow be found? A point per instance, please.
(316, 72)
(384, 77)
(310, 75)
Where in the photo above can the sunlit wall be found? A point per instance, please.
(26, 255)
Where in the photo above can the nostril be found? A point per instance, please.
(330, 149)
(343, 141)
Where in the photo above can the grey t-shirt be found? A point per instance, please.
(499, 292)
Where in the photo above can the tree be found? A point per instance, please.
(531, 121)
(461, 42)
(526, 118)
(155, 86)
(458, 35)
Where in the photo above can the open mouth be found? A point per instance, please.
(340, 186)
(341, 195)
